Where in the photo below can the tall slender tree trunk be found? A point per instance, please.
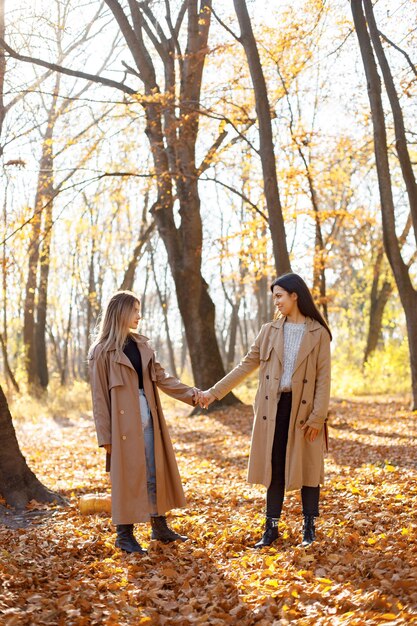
(233, 328)
(266, 142)
(92, 307)
(378, 299)
(145, 234)
(163, 301)
(33, 337)
(2, 70)
(407, 293)
(319, 263)
(44, 258)
(42, 304)
(7, 368)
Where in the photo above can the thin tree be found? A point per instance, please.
(369, 41)
(266, 142)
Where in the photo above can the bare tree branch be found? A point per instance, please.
(65, 70)
(240, 194)
(403, 52)
(229, 30)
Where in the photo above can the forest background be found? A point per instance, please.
(80, 188)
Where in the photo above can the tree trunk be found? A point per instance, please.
(2, 71)
(379, 299)
(145, 233)
(163, 301)
(44, 258)
(397, 114)
(319, 263)
(92, 308)
(42, 304)
(34, 340)
(266, 142)
(18, 484)
(64, 370)
(6, 364)
(408, 294)
(234, 324)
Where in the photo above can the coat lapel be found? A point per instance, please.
(123, 360)
(309, 340)
(278, 340)
(144, 349)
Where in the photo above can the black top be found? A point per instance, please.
(131, 350)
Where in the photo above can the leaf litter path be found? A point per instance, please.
(63, 569)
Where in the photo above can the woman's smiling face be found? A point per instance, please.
(285, 302)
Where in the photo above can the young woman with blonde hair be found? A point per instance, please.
(290, 430)
(125, 377)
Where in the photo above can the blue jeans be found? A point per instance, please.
(148, 436)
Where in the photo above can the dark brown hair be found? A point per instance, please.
(293, 283)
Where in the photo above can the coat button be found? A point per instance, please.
(303, 401)
(267, 377)
(301, 421)
(124, 437)
(264, 417)
(122, 412)
(266, 397)
(305, 380)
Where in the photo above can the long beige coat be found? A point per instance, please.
(304, 463)
(115, 392)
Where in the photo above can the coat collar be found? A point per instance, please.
(309, 340)
(311, 324)
(145, 350)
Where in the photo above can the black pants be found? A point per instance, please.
(276, 490)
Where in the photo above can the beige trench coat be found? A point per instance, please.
(304, 463)
(115, 392)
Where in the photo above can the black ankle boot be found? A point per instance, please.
(126, 540)
(270, 534)
(162, 532)
(309, 531)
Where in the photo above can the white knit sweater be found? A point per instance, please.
(293, 334)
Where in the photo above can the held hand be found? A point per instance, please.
(197, 394)
(206, 399)
(310, 433)
(107, 448)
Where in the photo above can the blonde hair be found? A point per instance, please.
(113, 327)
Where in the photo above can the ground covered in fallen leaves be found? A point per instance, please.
(62, 568)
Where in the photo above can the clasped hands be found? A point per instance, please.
(203, 398)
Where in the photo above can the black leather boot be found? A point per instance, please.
(126, 540)
(309, 531)
(162, 532)
(270, 534)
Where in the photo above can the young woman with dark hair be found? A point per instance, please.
(290, 428)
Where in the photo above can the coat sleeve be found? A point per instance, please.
(101, 399)
(318, 415)
(248, 364)
(171, 385)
